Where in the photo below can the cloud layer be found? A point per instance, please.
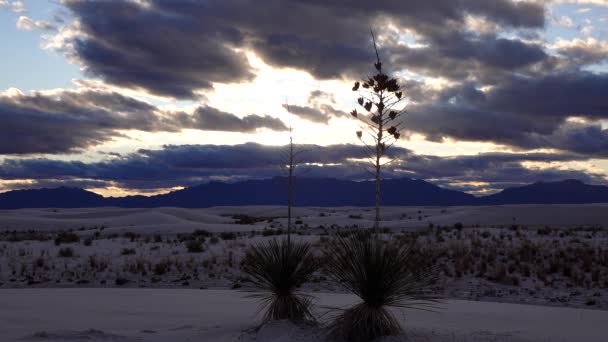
(472, 70)
(178, 47)
(186, 165)
(70, 121)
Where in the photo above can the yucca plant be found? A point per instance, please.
(383, 275)
(380, 98)
(279, 268)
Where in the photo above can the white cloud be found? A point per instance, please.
(3, 3)
(576, 2)
(27, 24)
(18, 6)
(581, 2)
(587, 30)
(481, 25)
(564, 21)
(11, 92)
(589, 44)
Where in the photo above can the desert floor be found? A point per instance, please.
(223, 315)
(172, 274)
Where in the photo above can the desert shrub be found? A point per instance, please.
(213, 240)
(15, 236)
(201, 233)
(158, 238)
(227, 235)
(357, 216)
(66, 238)
(88, 242)
(39, 262)
(278, 269)
(382, 275)
(127, 251)
(195, 246)
(161, 268)
(267, 232)
(246, 219)
(131, 236)
(66, 252)
(121, 281)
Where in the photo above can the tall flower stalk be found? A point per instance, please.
(380, 98)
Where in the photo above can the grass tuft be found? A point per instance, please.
(279, 268)
(383, 275)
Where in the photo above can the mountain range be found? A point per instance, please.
(323, 192)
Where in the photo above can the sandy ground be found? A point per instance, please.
(223, 315)
(175, 220)
(499, 237)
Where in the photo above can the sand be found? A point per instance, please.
(224, 315)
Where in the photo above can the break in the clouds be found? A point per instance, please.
(68, 121)
(186, 165)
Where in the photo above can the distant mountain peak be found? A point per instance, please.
(328, 192)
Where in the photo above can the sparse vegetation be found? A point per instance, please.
(246, 219)
(558, 266)
(66, 238)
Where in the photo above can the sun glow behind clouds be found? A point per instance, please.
(114, 191)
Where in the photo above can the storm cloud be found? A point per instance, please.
(70, 121)
(176, 48)
(524, 112)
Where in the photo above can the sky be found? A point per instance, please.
(148, 96)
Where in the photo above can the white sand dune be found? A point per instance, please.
(137, 314)
(174, 220)
(223, 315)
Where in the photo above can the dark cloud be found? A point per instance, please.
(317, 112)
(188, 165)
(493, 171)
(524, 112)
(162, 51)
(319, 108)
(308, 113)
(177, 47)
(69, 121)
(465, 56)
(213, 119)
